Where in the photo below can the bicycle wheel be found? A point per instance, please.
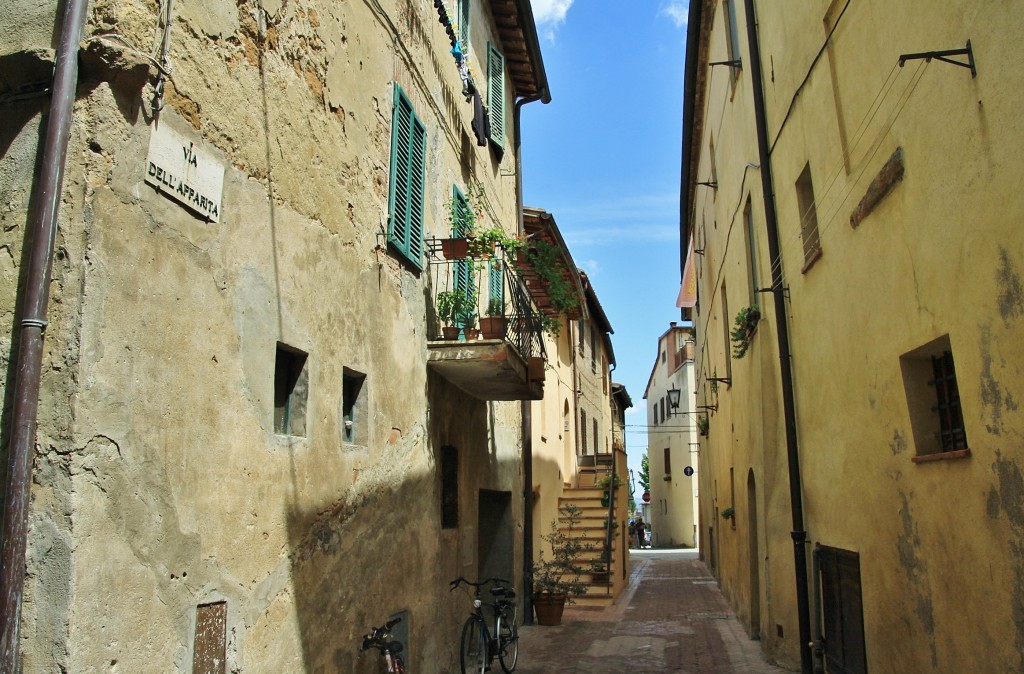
(473, 656)
(508, 639)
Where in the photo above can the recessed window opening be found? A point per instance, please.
(449, 487)
(597, 437)
(583, 432)
(353, 407)
(291, 388)
(668, 461)
(808, 217)
(933, 398)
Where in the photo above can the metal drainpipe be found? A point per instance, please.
(782, 332)
(43, 228)
(525, 405)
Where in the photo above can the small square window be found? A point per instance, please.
(933, 399)
(291, 388)
(353, 407)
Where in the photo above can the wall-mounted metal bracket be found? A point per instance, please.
(724, 380)
(698, 251)
(732, 64)
(713, 408)
(942, 56)
(785, 291)
(708, 183)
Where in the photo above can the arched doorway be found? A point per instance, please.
(754, 557)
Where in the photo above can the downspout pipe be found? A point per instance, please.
(526, 405)
(782, 332)
(43, 232)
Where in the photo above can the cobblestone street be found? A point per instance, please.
(671, 618)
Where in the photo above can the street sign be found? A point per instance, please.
(688, 471)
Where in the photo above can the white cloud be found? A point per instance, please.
(550, 11)
(677, 11)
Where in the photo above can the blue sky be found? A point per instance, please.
(604, 158)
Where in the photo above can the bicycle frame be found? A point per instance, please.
(497, 639)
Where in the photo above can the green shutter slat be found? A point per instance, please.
(496, 94)
(461, 229)
(497, 288)
(417, 166)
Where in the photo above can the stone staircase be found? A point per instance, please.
(592, 525)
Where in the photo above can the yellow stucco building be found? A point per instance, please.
(850, 181)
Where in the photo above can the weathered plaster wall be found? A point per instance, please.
(160, 483)
(941, 254)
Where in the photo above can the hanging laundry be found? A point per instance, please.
(481, 120)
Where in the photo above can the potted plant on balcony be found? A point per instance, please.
(455, 308)
(703, 425)
(493, 324)
(557, 579)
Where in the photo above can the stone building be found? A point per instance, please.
(252, 445)
(672, 422)
(573, 428)
(851, 186)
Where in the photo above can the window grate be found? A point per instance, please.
(947, 395)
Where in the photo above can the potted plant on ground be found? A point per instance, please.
(557, 578)
(493, 324)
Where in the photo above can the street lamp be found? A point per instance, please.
(673, 399)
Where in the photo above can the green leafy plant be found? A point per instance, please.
(546, 259)
(607, 481)
(728, 513)
(496, 307)
(703, 425)
(561, 573)
(457, 307)
(745, 327)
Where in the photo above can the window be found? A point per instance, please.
(597, 437)
(291, 385)
(464, 6)
(933, 400)
(654, 413)
(663, 409)
(405, 196)
(463, 269)
(748, 219)
(583, 432)
(353, 407)
(727, 331)
(496, 94)
(581, 333)
(495, 283)
(593, 349)
(668, 462)
(732, 34)
(808, 218)
(449, 487)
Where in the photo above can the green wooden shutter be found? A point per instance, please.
(496, 94)
(463, 278)
(464, 25)
(496, 288)
(405, 199)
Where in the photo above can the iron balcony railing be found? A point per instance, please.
(487, 281)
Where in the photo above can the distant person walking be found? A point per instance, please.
(638, 527)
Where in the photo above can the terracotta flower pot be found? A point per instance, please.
(450, 332)
(454, 249)
(493, 327)
(549, 608)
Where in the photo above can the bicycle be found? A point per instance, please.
(380, 638)
(479, 646)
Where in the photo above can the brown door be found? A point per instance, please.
(842, 611)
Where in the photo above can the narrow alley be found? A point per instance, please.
(671, 618)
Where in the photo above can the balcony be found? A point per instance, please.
(503, 363)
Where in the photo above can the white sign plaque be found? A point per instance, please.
(185, 172)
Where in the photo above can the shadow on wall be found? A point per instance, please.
(381, 549)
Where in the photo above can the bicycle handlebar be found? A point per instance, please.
(455, 583)
(378, 636)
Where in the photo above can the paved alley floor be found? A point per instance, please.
(671, 618)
